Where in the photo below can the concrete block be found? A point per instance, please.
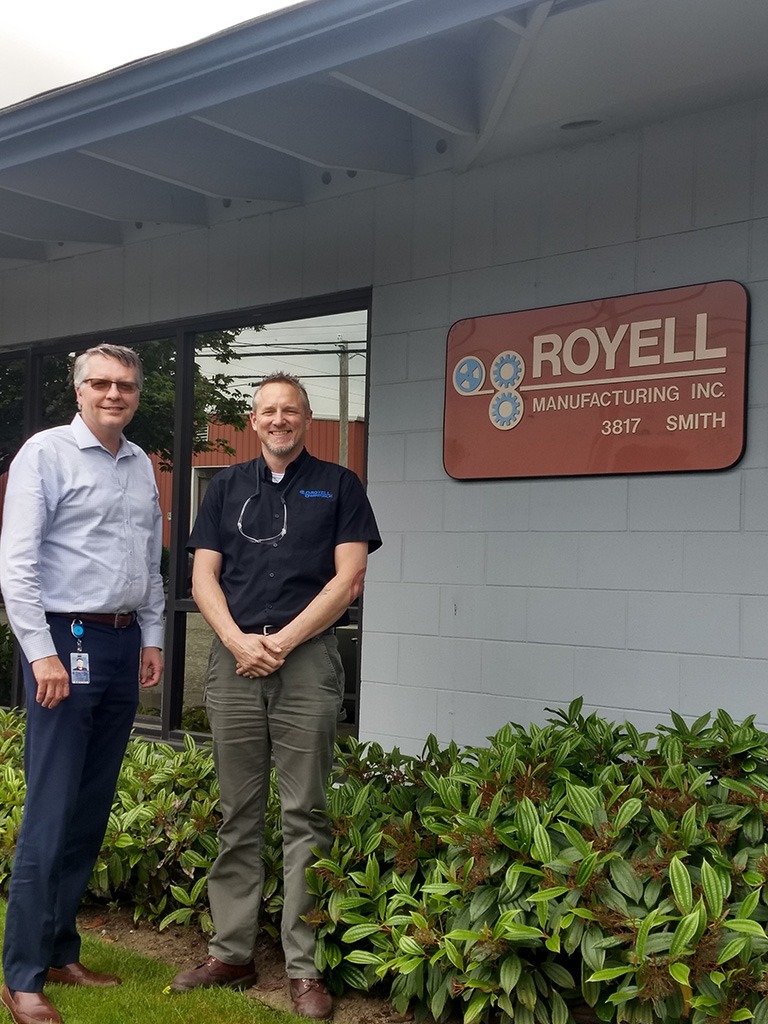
(532, 559)
(708, 254)
(393, 239)
(432, 224)
(386, 458)
(666, 180)
(473, 219)
(754, 635)
(630, 561)
(723, 178)
(695, 501)
(443, 558)
(579, 504)
(403, 608)
(525, 670)
(613, 201)
(582, 618)
(683, 623)
(483, 612)
(620, 680)
(494, 506)
(408, 507)
(708, 684)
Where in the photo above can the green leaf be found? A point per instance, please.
(713, 888)
(410, 946)
(509, 974)
(681, 885)
(746, 927)
(684, 935)
(742, 1014)
(542, 845)
(749, 904)
(526, 819)
(358, 932)
(543, 895)
(681, 973)
(574, 837)
(582, 801)
(586, 869)
(627, 812)
(477, 1004)
(625, 879)
(609, 973)
(363, 956)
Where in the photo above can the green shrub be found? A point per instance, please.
(579, 862)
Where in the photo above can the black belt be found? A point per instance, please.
(117, 620)
(268, 629)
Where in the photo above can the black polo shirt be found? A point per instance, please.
(270, 583)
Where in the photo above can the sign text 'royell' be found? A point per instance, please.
(635, 384)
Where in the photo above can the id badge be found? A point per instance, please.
(80, 669)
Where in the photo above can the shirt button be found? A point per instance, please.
(271, 575)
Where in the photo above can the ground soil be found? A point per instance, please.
(183, 947)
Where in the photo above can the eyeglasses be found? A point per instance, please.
(262, 540)
(125, 387)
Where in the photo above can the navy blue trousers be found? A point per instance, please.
(72, 757)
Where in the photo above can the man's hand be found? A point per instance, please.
(52, 681)
(151, 671)
(257, 655)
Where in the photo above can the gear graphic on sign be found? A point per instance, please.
(469, 375)
(507, 370)
(505, 410)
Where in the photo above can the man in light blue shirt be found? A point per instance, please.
(80, 574)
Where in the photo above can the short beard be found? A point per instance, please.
(284, 449)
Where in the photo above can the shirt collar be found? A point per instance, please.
(85, 438)
(265, 473)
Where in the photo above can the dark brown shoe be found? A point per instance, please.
(77, 974)
(29, 1007)
(212, 972)
(311, 998)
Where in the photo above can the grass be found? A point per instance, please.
(141, 997)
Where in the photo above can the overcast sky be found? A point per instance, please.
(45, 44)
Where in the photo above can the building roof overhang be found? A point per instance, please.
(333, 96)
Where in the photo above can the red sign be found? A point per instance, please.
(650, 383)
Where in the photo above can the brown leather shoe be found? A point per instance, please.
(29, 1007)
(311, 998)
(77, 974)
(212, 972)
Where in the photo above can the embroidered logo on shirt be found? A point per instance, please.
(316, 494)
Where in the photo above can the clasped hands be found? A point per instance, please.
(257, 655)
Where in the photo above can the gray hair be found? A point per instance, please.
(280, 377)
(123, 355)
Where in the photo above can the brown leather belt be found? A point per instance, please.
(117, 620)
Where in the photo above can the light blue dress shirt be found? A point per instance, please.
(81, 532)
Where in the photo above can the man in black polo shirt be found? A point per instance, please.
(281, 546)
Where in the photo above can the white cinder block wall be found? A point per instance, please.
(497, 600)
(493, 601)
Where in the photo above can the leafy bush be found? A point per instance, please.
(161, 839)
(579, 862)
